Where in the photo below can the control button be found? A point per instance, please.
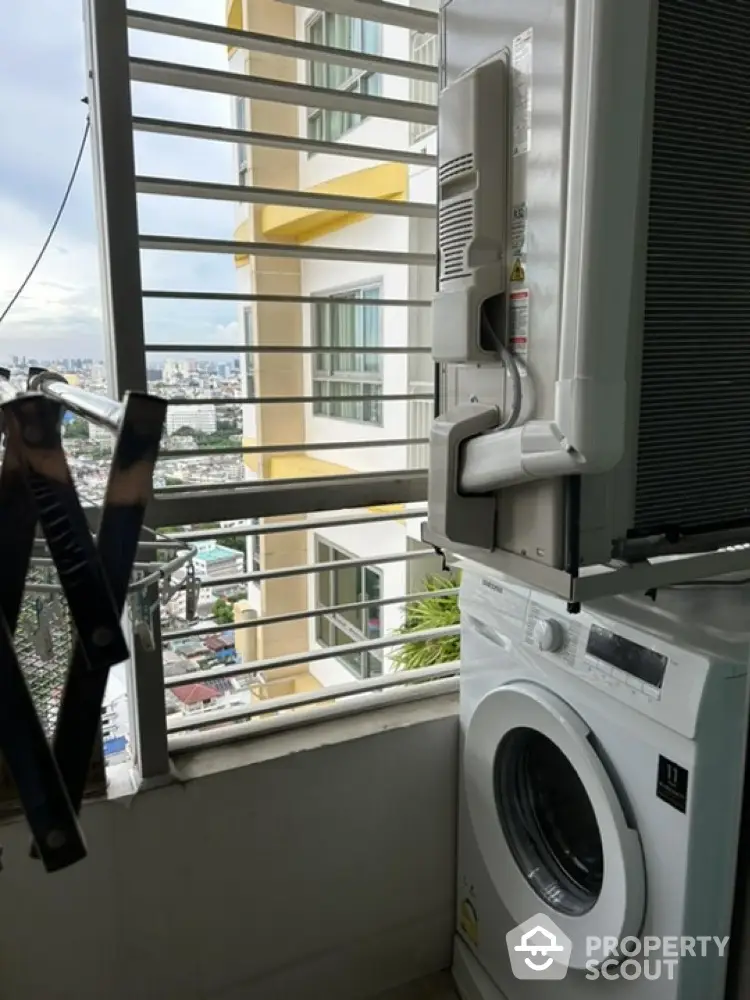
(549, 635)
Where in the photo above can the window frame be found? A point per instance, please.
(422, 91)
(370, 662)
(362, 380)
(241, 122)
(251, 373)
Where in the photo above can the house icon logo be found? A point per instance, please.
(538, 949)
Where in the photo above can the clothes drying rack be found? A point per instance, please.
(43, 523)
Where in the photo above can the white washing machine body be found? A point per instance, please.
(601, 781)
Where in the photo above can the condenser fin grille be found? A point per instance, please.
(694, 435)
(455, 233)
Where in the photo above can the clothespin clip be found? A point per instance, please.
(192, 593)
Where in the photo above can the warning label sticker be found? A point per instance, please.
(521, 65)
(518, 340)
(517, 272)
(518, 224)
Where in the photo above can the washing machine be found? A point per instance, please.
(601, 784)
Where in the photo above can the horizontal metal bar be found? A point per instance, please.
(270, 140)
(391, 397)
(311, 656)
(282, 349)
(172, 544)
(306, 525)
(395, 14)
(277, 45)
(173, 188)
(286, 449)
(170, 74)
(384, 682)
(298, 616)
(47, 561)
(346, 479)
(295, 299)
(308, 569)
(283, 498)
(315, 715)
(290, 251)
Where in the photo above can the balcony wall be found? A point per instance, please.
(313, 863)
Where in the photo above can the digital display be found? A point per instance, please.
(638, 661)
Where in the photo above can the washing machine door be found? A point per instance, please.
(548, 821)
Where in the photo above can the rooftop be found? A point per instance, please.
(193, 694)
(217, 553)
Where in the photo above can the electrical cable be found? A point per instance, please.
(55, 222)
(514, 371)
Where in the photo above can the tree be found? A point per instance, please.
(223, 612)
(430, 613)
(77, 428)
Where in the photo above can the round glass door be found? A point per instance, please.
(547, 820)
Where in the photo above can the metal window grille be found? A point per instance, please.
(313, 522)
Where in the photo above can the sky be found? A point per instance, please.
(42, 81)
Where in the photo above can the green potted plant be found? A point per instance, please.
(436, 611)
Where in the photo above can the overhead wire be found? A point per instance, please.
(55, 222)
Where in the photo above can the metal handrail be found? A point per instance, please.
(310, 656)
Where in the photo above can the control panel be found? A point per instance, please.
(657, 660)
(590, 649)
(639, 667)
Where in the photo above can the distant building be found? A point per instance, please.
(196, 697)
(197, 418)
(214, 560)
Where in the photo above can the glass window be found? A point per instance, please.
(343, 379)
(346, 586)
(343, 32)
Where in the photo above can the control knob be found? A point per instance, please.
(549, 635)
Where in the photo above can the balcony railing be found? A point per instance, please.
(302, 467)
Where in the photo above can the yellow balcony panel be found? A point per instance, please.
(388, 508)
(301, 466)
(388, 182)
(295, 465)
(234, 19)
(252, 461)
(234, 14)
(242, 235)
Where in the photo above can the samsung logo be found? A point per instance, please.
(492, 586)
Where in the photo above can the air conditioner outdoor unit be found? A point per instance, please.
(593, 311)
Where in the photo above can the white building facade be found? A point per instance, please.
(346, 393)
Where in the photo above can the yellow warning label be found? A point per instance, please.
(517, 273)
(468, 922)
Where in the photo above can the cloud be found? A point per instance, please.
(42, 78)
